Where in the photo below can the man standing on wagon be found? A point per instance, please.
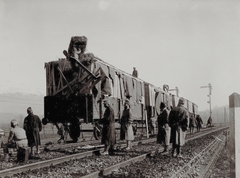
(178, 121)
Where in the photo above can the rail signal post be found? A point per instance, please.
(209, 95)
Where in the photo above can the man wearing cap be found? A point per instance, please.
(178, 121)
(108, 130)
(199, 122)
(18, 135)
(32, 125)
(135, 72)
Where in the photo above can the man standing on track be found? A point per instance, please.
(192, 123)
(178, 121)
(199, 122)
(209, 122)
(32, 125)
(163, 128)
(108, 130)
(126, 125)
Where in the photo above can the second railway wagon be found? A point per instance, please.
(77, 84)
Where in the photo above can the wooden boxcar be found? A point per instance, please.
(75, 89)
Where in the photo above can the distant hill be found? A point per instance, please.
(14, 106)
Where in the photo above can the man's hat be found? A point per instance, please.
(181, 101)
(162, 105)
(106, 101)
(14, 122)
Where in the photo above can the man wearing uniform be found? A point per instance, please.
(163, 128)
(108, 131)
(178, 121)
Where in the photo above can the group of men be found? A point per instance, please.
(108, 131)
(195, 122)
(29, 135)
(172, 126)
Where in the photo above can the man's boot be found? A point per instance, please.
(166, 150)
(179, 155)
(173, 151)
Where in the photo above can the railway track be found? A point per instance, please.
(95, 151)
(212, 149)
(56, 146)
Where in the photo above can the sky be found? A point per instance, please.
(186, 44)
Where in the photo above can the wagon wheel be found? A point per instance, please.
(44, 121)
(97, 132)
(74, 130)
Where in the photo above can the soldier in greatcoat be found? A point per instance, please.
(178, 121)
(192, 123)
(209, 122)
(126, 125)
(164, 130)
(32, 125)
(108, 130)
(199, 122)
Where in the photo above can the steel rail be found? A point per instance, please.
(109, 170)
(182, 171)
(42, 164)
(206, 172)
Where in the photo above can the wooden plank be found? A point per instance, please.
(53, 80)
(59, 83)
(64, 78)
(47, 78)
(64, 87)
(146, 121)
(79, 63)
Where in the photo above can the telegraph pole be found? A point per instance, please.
(209, 95)
(176, 89)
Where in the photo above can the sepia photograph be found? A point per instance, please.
(119, 88)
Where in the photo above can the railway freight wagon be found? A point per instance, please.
(77, 84)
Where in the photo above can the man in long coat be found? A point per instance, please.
(32, 125)
(209, 122)
(178, 121)
(199, 123)
(126, 132)
(192, 123)
(108, 130)
(163, 128)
